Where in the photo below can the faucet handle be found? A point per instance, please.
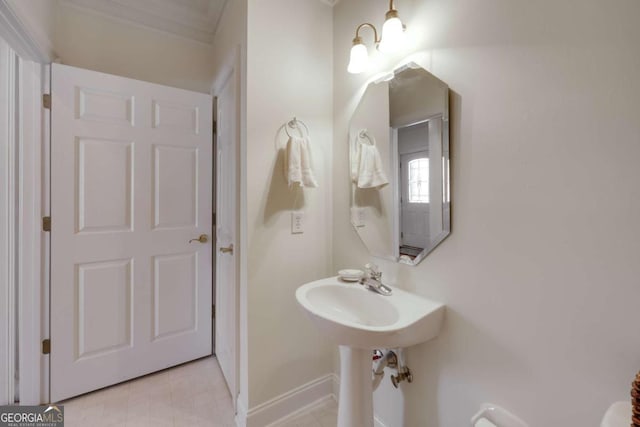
(373, 270)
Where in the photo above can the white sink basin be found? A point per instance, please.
(359, 319)
(356, 317)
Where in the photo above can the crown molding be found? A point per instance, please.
(26, 41)
(197, 23)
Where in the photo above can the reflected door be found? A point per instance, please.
(414, 206)
(131, 186)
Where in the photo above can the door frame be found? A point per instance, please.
(395, 190)
(28, 302)
(7, 222)
(233, 65)
(395, 170)
(34, 243)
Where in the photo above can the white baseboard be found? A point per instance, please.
(323, 402)
(289, 405)
(286, 405)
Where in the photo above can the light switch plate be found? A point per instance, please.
(297, 222)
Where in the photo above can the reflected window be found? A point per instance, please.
(419, 180)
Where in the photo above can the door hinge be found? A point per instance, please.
(46, 101)
(46, 346)
(213, 311)
(46, 223)
(213, 219)
(215, 127)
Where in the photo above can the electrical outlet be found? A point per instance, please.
(297, 222)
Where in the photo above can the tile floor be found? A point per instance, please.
(194, 394)
(190, 395)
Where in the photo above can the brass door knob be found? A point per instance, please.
(202, 239)
(228, 250)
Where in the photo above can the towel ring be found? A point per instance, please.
(295, 124)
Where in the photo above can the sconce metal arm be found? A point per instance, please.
(358, 39)
(392, 12)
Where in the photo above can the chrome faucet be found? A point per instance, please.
(373, 280)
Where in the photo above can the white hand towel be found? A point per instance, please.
(366, 169)
(298, 167)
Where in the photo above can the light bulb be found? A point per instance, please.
(359, 60)
(392, 34)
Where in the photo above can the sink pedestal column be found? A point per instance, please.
(355, 406)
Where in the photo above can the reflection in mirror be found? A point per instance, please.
(399, 154)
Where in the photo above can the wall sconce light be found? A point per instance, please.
(392, 40)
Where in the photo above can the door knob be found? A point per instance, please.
(202, 239)
(228, 250)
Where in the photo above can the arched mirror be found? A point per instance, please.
(399, 158)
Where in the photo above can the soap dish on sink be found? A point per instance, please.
(350, 275)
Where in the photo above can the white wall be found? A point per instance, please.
(92, 41)
(540, 274)
(289, 73)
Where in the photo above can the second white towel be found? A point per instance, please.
(366, 166)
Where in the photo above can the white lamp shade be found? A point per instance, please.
(359, 60)
(392, 36)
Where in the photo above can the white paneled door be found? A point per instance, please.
(131, 177)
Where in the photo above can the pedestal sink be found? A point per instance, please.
(359, 320)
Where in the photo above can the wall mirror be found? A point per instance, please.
(399, 159)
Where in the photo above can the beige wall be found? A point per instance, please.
(540, 274)
(289, 73)
(88, 40)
